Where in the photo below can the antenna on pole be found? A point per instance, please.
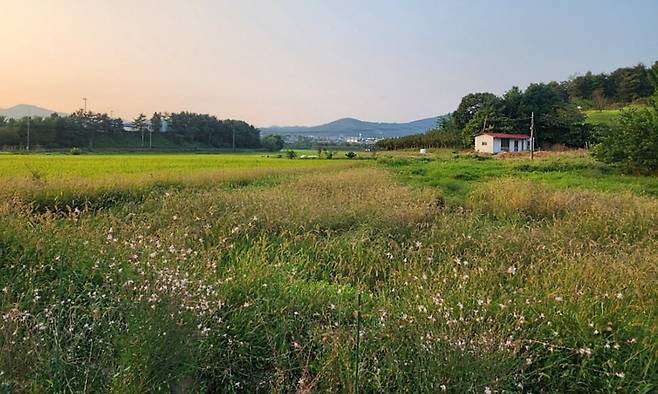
(532, 136)
(85, 100)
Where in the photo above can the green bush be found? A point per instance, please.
(350, 155)
(272, 143)
(634, 144)
(75, 151)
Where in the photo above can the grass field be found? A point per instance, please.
(241, 273)
(609, 117)
(59, 166)
(457, 174)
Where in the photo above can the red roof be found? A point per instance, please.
(508, 135)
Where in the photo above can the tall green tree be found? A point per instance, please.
(652, 75)
(156, 122)
(272, 143)
(141, 125)
(471, 104)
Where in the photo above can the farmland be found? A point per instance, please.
(242, 273)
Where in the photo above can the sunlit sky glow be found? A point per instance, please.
(305, 62)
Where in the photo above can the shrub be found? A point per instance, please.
(272, 143)
(350, 155)
(75, 151)
(634, 144)
(291, 154)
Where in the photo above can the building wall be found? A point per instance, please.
(494, 145)
(523, 147)
(485, 144)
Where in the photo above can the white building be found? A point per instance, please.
(491, 142)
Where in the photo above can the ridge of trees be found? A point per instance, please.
(80, 129)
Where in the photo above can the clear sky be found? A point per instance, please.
(290, 62)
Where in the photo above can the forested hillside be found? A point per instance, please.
(558, 109)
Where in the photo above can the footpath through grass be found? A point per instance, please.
(213, 285)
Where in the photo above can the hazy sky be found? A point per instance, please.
(305, 62)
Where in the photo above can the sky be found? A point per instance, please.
(306, 62)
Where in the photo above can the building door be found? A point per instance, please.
(504, 144)
(516, 145)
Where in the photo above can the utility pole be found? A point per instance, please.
(233, 139)
(484, 125)
(532, 136)
(29, 115)
(85, 100)
(150, 137)
(357, 340)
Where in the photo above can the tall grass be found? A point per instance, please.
(224, 289)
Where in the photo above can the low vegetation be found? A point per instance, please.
(633, 142)
(470, 278)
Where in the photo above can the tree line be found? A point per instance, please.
(435, 138)
(82, 129)
(557, 109)
(622, 86)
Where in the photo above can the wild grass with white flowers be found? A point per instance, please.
(253, 287)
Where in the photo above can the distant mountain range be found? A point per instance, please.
(22, 110)
(347, 127)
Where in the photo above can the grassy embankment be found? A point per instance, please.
(512, 285)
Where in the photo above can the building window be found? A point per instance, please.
(484, 143)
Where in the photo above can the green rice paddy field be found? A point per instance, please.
(243, 273)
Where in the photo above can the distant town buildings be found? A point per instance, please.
(361, 140)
